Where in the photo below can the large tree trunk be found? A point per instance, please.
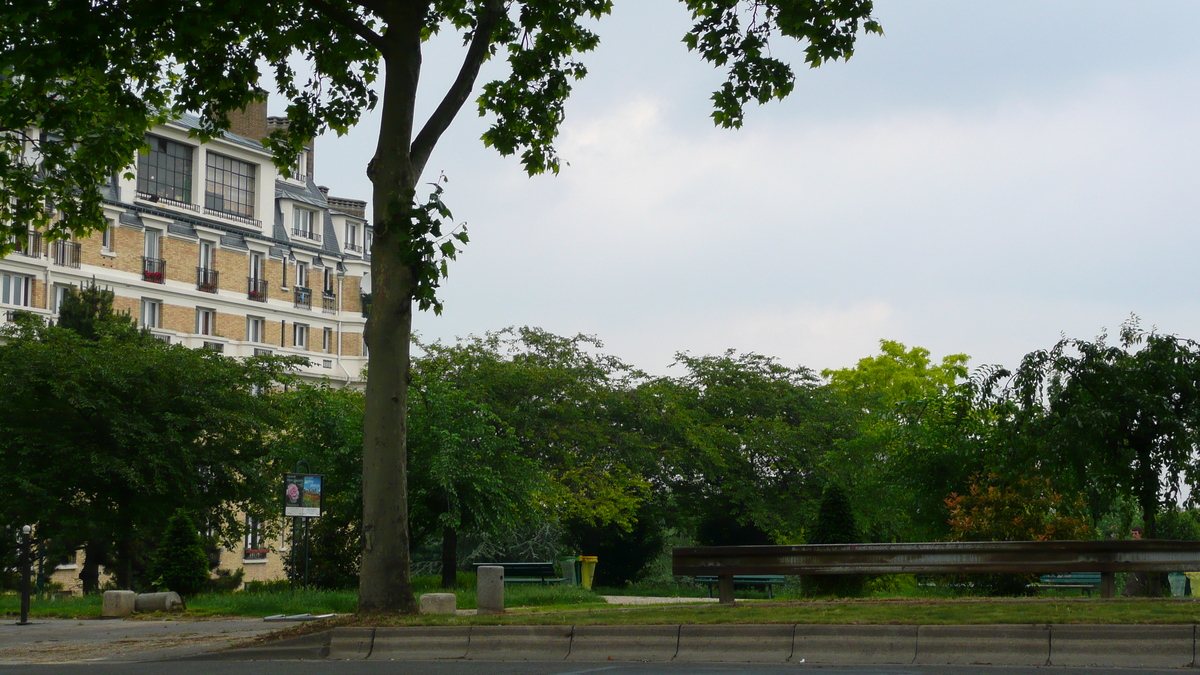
(449, 557)
(385, 582)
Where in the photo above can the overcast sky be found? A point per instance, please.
(981, 179)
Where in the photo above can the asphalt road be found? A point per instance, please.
(200, 667)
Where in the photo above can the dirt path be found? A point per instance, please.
(72, 641)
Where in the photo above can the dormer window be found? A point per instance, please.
(304, 224)
(165, 172)
(352, 236)
(229, 186)
(300, 169)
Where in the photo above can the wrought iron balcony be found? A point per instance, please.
(329, 303)
(256, 289)
(154, 270)
(303, 297)
(311, 235)
(65, 253)
(31, 245)
(207, 280)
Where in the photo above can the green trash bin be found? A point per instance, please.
(589, 570)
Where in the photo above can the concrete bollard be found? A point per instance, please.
(489, 592)
(118, 603)
(438, 603)
(158, 602)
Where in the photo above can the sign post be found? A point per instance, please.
(24, 539)
(302, 500)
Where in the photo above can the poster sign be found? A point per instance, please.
(302, 495)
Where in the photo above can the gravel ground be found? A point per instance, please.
(635, 600)
(72, 641)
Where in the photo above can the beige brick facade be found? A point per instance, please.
(234, 267)
(351, 344)
(179, 319)
(38, 293)
(182, 257)
(352, 294)
(231, 326)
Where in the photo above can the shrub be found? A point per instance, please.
(835, 524)
(181, 564)
(225, 581)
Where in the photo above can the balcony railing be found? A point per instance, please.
(247, 220)
(65, 253)
(32, 245)
(255, 554)
(154, 270)
(256, 289)
(329, 303)
(207, 280)
(303, 297)
(354, 247)
(166, 201)
(311, 235)
(218, 347)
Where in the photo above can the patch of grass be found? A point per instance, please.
(903, 611)
(74, 607)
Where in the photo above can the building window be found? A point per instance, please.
(151, 314)
(352, 236)
(15, 289)
(300, 336)
(106, 238)
(60, 294)
(304, 224)
(255, 543)
(229, 186)
(254, 329)
(206, 321)
(166, 171)
(300, 170)
(302, 274)
(327, 340)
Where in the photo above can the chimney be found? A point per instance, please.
(250, 122)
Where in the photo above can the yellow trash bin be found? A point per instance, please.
(588, 569)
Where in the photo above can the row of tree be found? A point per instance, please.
(524, 444)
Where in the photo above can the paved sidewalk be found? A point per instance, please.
(649, 600)
(71, 640)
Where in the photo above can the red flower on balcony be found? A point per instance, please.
(156, 277)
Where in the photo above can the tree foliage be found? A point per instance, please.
(95, 77)
(180, 563)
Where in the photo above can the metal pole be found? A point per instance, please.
(307, 536)
(26, 570)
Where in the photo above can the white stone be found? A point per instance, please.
(489, 595)
(118, 603)
(158, 602)
(438, 603)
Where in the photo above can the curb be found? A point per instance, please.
(1145, 646)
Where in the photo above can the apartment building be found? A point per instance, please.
(209, 245)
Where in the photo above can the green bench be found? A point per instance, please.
(527, 572)
(1085, 581)
(768, 581)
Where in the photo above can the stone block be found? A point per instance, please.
(118, 603)
(490, 589)
(158, 602)
(438, 603)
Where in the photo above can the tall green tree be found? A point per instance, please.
(102, 440)
(1111, 420)
(95, 76)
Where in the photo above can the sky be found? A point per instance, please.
(985, 178)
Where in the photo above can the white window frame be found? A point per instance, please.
(302, 274)
(153, 310)
(206, 254)
(304, 223)
(327, 340)
(16, 289)
(256, 266)
(153, 246)
(255, 328)
(300, 335)
(351, 233)
(106, 238)
(206, 321)
(58, 294)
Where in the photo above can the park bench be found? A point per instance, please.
(1106, 558)
(526, 572)
(1085, 581)
(767, 581)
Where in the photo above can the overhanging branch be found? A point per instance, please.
(457, 95)
(351, 21)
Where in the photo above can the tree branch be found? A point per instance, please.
(349, 20)
(457, 95)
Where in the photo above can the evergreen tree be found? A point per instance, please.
(82, 310)
(835, 525)
(181, 564)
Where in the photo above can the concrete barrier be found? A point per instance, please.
(1123, 646)
(822, 644)
(489, 589)
(158, 602)
(624, 643)
(519, 643)
(118, 604)
(438, 603)
(351, 644)
(738, 643)
(421, 643)
(997, 645)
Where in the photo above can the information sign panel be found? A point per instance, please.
(302, 495)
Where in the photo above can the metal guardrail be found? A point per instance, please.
(1032, 557)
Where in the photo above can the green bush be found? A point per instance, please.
(225, 581)
(181, 564)
(835, 524)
